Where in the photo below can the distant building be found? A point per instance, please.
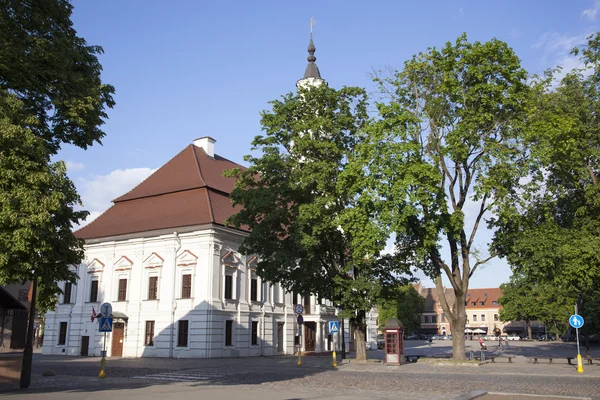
(482, 309)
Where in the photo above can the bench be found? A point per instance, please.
(493, 358)
(413, 358)
(550, 359)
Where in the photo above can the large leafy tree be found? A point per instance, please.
(549, 230)
(447, 141)
(51, 93)
(403, 303)
(297, 202)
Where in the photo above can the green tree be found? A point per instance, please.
(405, 304)
(37, 202)
(519, 302)
(549, 230)
(55, 73)
(447, 140)
(297, 202)
(50, 94)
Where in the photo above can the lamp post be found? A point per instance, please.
(28, 352)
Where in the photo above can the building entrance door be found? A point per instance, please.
(310, 334)
(280, 330)
(117, 339)
(85, 345)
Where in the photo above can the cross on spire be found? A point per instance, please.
(312, 23)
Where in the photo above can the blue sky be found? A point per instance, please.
(186, 69)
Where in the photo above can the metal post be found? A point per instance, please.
(103, 361)
(28, 352)
(343, 341)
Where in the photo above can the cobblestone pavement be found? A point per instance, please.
(421, 380)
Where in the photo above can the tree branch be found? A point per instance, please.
(482, 211)
(480, 262)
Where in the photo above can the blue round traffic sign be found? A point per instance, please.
(576, 321)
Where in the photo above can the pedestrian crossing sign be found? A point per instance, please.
(106, 324)
(333, 327)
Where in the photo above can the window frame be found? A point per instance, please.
(62, 335)
(185, 333)
(94, 299)
(482, 316)
(254, 326)
(67, 293)
(228, 333)
(149, 334)
(253, 288)
(152, 294)
(119, 289)
(228, 294)
(474, 317)
(185, 274)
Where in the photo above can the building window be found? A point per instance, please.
(149, 336)
(482, 303)
(153, 288)
(186, 286)
(67, 293)
(474, 303)
(253, 289)
(254, 333)
(434, 319)
(474, 317)
(182, 333)
(122, 290)
(495, 317)
(62, 335)
(495, 303)
(94, 292)
(228, 333)
(229, 287)
(482, 317)
(466, 304)
(484, 294)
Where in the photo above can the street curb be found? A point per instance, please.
(471, 395)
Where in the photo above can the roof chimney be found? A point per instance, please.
(208, 144)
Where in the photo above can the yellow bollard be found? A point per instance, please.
(579, 363)
(334, 359)
(299, 357)
(102, 365)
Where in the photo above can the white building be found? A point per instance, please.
(164, 258)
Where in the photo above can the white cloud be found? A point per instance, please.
(461, 12)
(590, 13)
(74, 166)
(516, 33)
(557, 48)
(98, 191)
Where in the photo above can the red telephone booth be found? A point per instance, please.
(394, 342)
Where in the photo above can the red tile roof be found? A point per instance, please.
(188, 190)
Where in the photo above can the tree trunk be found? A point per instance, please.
(361, 348)
(359, 336)
(457, 326)
(529, 331)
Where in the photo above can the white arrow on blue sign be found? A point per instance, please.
(576, 321)
(333, 327)
(106, 324)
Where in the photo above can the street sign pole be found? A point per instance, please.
(576, 321)
(103, 360)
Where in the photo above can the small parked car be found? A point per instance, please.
(513, 337)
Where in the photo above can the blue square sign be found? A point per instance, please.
(333, 327)
(106, 324)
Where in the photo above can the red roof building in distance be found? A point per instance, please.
(189, 190)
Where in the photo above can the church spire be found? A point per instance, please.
(312, 76)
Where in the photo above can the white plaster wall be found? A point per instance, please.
(199, 253)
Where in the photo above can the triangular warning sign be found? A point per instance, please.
(106, 326)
